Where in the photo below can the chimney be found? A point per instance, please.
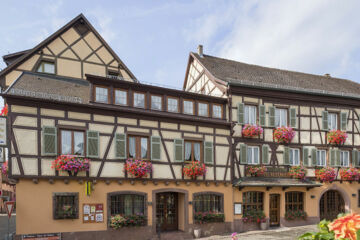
(327, 75)
(200, 50)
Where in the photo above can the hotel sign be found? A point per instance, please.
(3, 133)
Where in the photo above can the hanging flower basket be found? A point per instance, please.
(5, 168)
(194, 169)
(336, 137)
(326, 174)
(349, 174)
(249, 131)
(4, 110)
(138, 168)
(298, 172)
(284, 134)
(71, 163)
(256, 171)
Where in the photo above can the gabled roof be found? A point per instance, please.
(38, 47)
(238, 73)
(9, 58)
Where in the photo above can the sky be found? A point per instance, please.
(154, 38)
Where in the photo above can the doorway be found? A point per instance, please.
(274, 209)
(167, 211)
(331, 205)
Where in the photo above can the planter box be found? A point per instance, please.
(250, 226)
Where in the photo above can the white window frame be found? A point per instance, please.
(321, 157)
(169, 104)
(188, 105)
(280, 120)
(250, 112)
(333, 121)
(136, 100)
(293, 153)
(251, 156)
(118, 91)
(216, 113)
(153, 107)
(203, 109)
(342, 160)
(106, 90)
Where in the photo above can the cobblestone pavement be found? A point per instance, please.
(278, 234)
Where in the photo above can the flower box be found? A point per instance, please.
(5, 168)
(194, 169)
(72, 164)
(284, 134)
(326, 174)
(336, 137)
(4, 110)
(208, 217)
(120, 221)
(138, 168)
(295, 215)
(254, 215)
(256, 171)
(249, 131)
(349, 174)
(298, 172)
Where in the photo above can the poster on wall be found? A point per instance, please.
(93, 213)
(3, 136)
(237, 208)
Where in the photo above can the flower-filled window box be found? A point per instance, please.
(336, 137)
(254, 215)
(298, 172)
(349, 174)
(138, 168)
(295, 215)
(249, 131)
(209, 217)
(4, 110)
(326, 174)
(256, 171)
(284, 134)
(5, 168)
(72, 164)
(194, 169)
(135, 220)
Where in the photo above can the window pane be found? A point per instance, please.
(256, 155)
(120, 97)
(79, 143)
(203, 109)
(139, 100)
(283, 117)
(197, 151)
(250, 115)
(156, 102)
(49, 67)
(188, 107)
(332, 121)
(217, 111)
(132, 147)
(249, 155)
(144, 147)
(188, 151)
(101, 94)
(66, 142)
(172, 105)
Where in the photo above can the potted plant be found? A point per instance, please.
(138, 168)
(249, 131)
(194, 169)
(118, 221)
(336, 137)
(326, 174)
(256, 171)
(295, 215)
(5, 168)
(284, 134)
(349, 174)
(255, 216)
(298, 172)
(71, 163)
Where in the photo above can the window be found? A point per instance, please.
(217, 111)
(120, 97)
(113, 74)
(203, 109)
(156, 102)
(207, 203)
(46, 67)
(281, 117)
(321, 157)
(344, 158)
(294, 201)
(333, 121)
(193, 151)
(172, 105)
(250, 114)
(72, 142)
(127, 204)
(294, 156)
(139, 100)
(252, 155)
(101, 94)
(138, 147)
(66, 205)
(188, 107)
(252, 201)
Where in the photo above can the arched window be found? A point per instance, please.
(253, 200)
(208, 202)
(294, 201)
(127, 203)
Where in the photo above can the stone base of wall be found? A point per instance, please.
(209, 229)
(294, 223)
(240, 226)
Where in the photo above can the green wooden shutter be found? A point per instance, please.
(325, 120)
(120, 145)
(155, 148)
(337, 157)
(243, 154)
(286, 156)
(208, 152)
(240, 113)
(271, 116)
(49, 141)
(355, 158)
(293, 117)
(179, 150)
(92, 144)
(332, 157)
(314, 161)
(306, 157)
(262, 115)
(265, 154)
(343, 121)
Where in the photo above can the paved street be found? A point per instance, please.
(274, 234)
(4, 224)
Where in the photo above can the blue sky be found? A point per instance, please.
(154, 38)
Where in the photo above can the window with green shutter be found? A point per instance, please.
(240, 113)
(120, 145)
(92, 144)
(243, 154)
(314, 157)
(325, 120)
(271, 116)
(265, 154)
(293, 117)
(332, 157)
(355, 158)
(155, 148)
(49, 141)
(338, 158)
(286, 156)
(179, 150)
(306, 157)
(343, 121)
(208, 152)
(262, 115)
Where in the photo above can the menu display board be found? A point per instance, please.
(93, 213)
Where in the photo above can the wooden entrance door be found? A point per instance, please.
(274, 209)
(167, 211)
(331, 204)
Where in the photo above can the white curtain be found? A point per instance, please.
(144, 147)
(187, 151)
(197, 151)
(132, 147)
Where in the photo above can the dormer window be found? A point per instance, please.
(46, 67)
(113, 74)
(101, 94)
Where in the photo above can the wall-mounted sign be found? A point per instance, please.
(3, 136)
(93, 213)
(45, 236)
(88, 187)
(237, 208)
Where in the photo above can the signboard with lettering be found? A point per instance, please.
(3, 136)
(237, 208)
(44, 236)
(93, 213)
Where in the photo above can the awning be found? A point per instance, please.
(273, 182)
